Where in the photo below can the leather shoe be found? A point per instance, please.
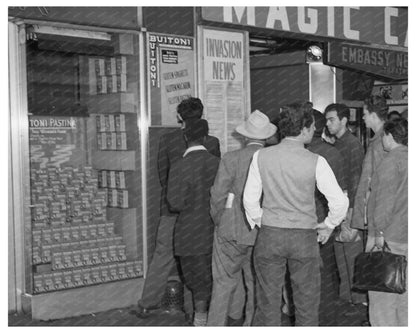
(143, 312)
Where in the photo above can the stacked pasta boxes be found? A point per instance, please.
(70, 231)
(119, 185)
(111, 74)
(112, 133)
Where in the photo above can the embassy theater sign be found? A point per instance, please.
(381, 62)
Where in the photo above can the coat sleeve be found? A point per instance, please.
(163, 162)
(219, 191)
(361, 194)
(216, 150)
(385, 194)
(177, 188)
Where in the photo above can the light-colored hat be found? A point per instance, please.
(257, 126)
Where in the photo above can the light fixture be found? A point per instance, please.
(40, 29)
(314, 54)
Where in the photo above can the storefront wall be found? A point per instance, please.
(58, 118)
(323, 23)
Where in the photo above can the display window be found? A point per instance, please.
(85, 159)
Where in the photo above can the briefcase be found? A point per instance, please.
(380, 271)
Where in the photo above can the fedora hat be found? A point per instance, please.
(257, 126)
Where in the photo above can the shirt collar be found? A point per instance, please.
(377, 135)
(194, 148)
(255, 143)
(293, 141)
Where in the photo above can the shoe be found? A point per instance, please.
(143, 312)
(235, 322)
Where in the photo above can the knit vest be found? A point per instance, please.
(288, 178)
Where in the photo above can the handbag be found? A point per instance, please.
(380, 271)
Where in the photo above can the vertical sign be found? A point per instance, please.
(171, 75)
(224, 82)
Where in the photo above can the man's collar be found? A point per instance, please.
(194, 148)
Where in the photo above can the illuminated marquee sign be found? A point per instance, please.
(378, 25)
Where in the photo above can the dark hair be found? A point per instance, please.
(190, 108)
(342, 110)
(195, 130)
(377, 104)
(293, 118)
(393, 114)
(398, 129)
(320, 123)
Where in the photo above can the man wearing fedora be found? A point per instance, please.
(233, 239)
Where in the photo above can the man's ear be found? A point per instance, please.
(344, 121)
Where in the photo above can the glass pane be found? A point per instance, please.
(84, 159)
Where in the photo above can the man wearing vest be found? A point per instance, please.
(233, 237)
(285, 175)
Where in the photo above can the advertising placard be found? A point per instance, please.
(57, 142)
(171, 75)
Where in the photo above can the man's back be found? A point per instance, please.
(172, 146)
(231, 178)
(190, 180)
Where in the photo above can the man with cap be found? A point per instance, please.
(329, 275)
(190, 181)
(171, 148)
(233, 238)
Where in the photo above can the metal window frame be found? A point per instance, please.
(19, 182)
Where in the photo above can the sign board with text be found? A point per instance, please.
(382, 62)
(57, 141)
(171, 73)
(376, 25)
(224, 82)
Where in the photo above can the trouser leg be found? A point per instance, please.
(270, 269)
(228, 258)
(329, 284)
(161, 264)
(305, 278)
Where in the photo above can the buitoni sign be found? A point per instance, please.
(377, 25)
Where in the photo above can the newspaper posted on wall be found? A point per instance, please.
(171, 73)
(224, 82)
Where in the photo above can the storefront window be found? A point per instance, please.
(83, 97)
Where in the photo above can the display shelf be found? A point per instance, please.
(114, 160)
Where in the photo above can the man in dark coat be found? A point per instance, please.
(329, 271)
(190, 181)
(172, 145)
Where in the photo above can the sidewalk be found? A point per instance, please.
(345, 314)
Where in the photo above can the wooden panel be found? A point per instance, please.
(86, 300)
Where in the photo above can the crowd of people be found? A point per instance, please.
(276, 225)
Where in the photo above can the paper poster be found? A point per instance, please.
(57, 141)
(171, 74)
(224, 87)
